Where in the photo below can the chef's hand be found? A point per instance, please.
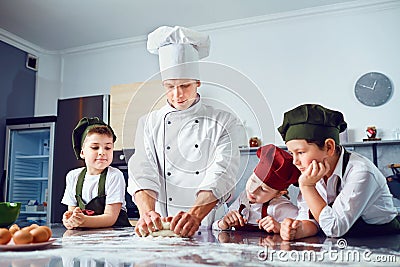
(185, 224)
(66, 222)
(269, 224)
(148, 222)
(289, 228)
(231, 219)
(313, 173)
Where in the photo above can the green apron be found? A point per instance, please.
(360, 227)
(97, 205)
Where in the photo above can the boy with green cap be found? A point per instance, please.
(95, 194)
(341, 193)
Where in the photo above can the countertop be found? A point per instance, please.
(120, 247)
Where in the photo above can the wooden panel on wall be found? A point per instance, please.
(128, 103)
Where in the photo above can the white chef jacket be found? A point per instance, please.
(180, 152)
(278, 208)
(363, 193)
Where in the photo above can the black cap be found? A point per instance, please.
(81, 130)
(312, 122)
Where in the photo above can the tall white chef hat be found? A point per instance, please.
(179, 49)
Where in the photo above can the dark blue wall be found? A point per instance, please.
(17, 90)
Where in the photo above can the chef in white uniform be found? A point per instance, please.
(187, 153)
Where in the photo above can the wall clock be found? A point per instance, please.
(373, 89)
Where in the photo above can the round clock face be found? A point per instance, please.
(373, 89)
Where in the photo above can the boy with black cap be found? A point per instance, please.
(95, 194)
(262, 206)
(340, 192)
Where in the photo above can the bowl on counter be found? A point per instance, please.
(9, 212)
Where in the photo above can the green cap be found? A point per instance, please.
(312, 122)
(82, 129)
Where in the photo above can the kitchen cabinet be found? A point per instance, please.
(381, 153)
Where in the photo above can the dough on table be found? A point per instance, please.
(164, 232)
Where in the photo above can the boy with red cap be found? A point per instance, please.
(263, 205)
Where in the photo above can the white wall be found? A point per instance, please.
(309, 56)
(94, 72)
(48, 84)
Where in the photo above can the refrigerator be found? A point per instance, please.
(29, 166)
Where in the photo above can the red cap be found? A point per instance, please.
(276, 167)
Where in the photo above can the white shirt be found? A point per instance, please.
(279, 208)
(363, 193)
(114, 187)
(179, 153)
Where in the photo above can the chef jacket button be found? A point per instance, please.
(196, 145)
(168, 147)
(168, 173)
(196, 121)
(197, 172)
(169, 122)
(170, 199)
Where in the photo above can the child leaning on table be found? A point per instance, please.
(341, 192)
(95, 194)
(263, 205)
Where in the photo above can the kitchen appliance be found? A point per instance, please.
(120, 159)
(29, 167)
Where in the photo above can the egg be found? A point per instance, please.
(22, 237)
(14, 228)
(5, 236)
(32, 226)
(39, 235)
(49, 232)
